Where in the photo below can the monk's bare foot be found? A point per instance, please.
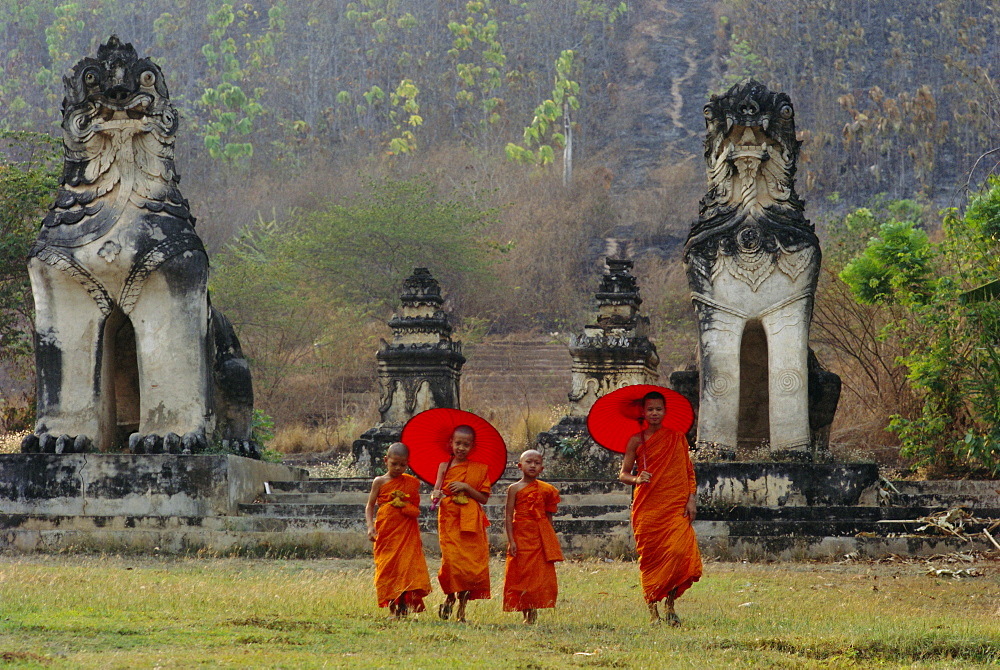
(463, 599)
(672, 617)
(401, 607)
(530, 616)
(392, 607)
(654, 614)
(444, 609)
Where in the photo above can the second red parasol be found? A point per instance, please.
(617, 416)
(428, 435)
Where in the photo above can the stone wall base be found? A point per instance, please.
(163, 485)
(786, 484)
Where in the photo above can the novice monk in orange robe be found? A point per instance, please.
(463, 487)
(532, 546)
(401, 578)
(663, 510)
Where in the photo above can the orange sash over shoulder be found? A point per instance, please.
(465, 551)
(668, 549)
(530, 578)
(399, 554)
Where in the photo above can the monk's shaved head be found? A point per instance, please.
(398, 449)
(465, 430)
(529, 452)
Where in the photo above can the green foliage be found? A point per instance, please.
(232, 65)
(894, 267)
(481, 61)
(547, 115)
(741, 63)
(262, 427)
(28, 179)
(406, 115)
(950, 344)
(363, 247)
(302, 291)
(601, 11)
(357, 251)
(231, 111)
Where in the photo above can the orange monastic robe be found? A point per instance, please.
(530, 579)
(668, 549)
(465, 551)
(399, 554)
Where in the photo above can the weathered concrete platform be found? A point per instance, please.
(763, 511)
(147, 485)
(786, 484)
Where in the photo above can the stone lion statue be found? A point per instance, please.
(129, 351)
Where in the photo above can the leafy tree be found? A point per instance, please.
(894, 267)
(28, 179)
(308, 293)
(405, 116)
(364, 247)
(231, 110)
(547, 115)
(280, 315)
(950, 344)
(481, 64)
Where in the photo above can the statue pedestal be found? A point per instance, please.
(118, 484)
(571, 453)
(765, 484)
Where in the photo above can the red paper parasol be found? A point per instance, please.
(428, 435)
(615, 417)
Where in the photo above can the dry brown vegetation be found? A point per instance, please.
(319, 383)
(848, 339)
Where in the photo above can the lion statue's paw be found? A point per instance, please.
(48, 443)
(193, 442)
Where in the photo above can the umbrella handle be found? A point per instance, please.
(439, 483)
(642, 437)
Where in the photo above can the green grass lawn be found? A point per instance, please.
(147, 612)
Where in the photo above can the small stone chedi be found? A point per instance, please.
(127, 344)
(419, 370)
(613, 352)
(752, 264)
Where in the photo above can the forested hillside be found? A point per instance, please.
(893, 99)
(329, 147)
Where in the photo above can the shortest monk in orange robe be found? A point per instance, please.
(532, 545)
(462, 487)
(401, 578)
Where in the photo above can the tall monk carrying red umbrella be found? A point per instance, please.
(664, 506)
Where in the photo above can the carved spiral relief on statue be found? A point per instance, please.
(719, 384)
(788, 381)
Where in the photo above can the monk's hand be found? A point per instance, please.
(436, 495)
(371, 534)
(643, 478)
(458, 487)
(691, 509)
(511, 548)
